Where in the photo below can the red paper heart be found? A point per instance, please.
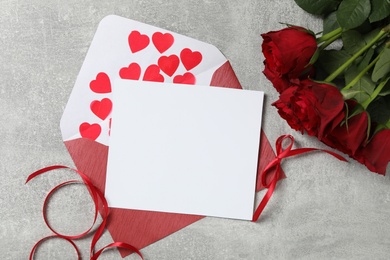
(161, 41)
(190, 59)
(133, 71)
(169, 64)
(101, 108)
(152, 73)
(101, 84)
(90, 131)
(186, 78)
(138, 41)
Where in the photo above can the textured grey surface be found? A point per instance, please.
(325, 209)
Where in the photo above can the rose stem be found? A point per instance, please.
(329, 35)
(375, 93)
(381, 33)
(361, 74)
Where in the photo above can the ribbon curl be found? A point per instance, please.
(280, 155)
(97, 196)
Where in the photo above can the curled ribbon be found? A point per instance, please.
(280, 155)
(97, 197)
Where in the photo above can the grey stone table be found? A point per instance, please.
(325, 209)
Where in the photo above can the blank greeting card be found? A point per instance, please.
(184, 149)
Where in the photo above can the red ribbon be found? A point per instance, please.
(281, 154)
(97, 197)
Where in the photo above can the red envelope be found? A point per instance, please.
(88, 146)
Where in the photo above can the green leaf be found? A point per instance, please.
(365, 27)
(352, 13)
(379, 128)
(371, 35)
(331, 60)
(315, 56)
(363, 88)
(330, 23)
(318, 7)
(351, 93)
(386, 90)
(356, 110)
(366, 59)
(352, 41)
(382, 66)
(380, 110)
(380, 10)
(365, 84)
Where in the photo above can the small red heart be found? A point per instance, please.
(101, 108)
(152, 73)
(133, 71)
(186, 78)
(101, 84)
(161, 41)
(138, 41)
(190, 59)
(90, 131)
(169, 64)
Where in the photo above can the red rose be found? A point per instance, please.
(348, 136)
(310, 107)
(375, 155)
(287, 53)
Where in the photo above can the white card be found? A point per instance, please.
(184, 149)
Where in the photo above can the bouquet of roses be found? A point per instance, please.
(341, 95)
